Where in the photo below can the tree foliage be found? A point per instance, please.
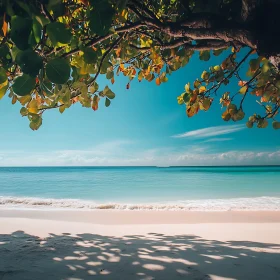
(53, 51)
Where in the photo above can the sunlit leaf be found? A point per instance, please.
(243, 90)
(3, 88)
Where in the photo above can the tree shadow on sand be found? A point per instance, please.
(155, 256)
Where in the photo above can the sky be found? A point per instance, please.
(143, 126)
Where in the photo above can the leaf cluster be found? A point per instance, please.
(53, 51)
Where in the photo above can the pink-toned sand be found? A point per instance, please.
(104, 244)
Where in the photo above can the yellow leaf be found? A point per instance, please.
(33, 106)
(62, 108)
(197, 83)
(25, 99)
(187, 87)
(3, 88)
(202, 89)
(180, 100)
(204, 75)
(243, 90)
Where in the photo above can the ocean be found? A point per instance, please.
(141, 188)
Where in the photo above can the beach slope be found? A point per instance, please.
(154, 245)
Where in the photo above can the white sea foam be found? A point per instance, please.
(230, 204)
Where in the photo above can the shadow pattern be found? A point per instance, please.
(155, 256)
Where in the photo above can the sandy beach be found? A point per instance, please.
(139, 245)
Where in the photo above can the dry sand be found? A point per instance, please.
(139, 245)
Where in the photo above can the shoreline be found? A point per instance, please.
(236, 204)
(136, 217)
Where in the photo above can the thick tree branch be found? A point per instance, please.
(200, 46)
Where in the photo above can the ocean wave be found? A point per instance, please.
(230, 204)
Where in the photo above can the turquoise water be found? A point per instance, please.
(190, 188)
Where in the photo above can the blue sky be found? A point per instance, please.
(143, 126)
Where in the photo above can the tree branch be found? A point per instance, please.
(98, 40)
(104, 56)
(46, 13)
(200, 46)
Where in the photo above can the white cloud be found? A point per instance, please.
(217, 140)
(211, 131)
(126, 153)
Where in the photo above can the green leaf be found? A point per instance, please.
(3, 75)
(23, 85)
(186, 97)
(107, 92)
(107, 102)
(42, 20)
(110, 75)
(36, 122)
(58, 33)
(37, 30)
(104, 67)
(90, 56)
(204, 55)
(101, 17)
(5, 56)
(30, 62)
(206, 104)
(254, 64)
(276, 125)
(20, 31)
(218, 52)
(121, 4)
(94, 87)
(57, 7)
(58, 71)
(24, 111)
(81, 86)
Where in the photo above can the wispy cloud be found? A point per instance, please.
(217, 140)
(211, 131)
(122, 153)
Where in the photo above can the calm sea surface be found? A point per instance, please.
(174, 188)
